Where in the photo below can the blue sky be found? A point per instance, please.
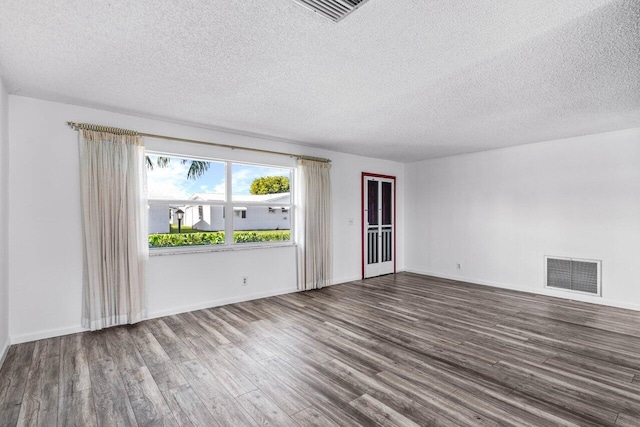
(171, 181)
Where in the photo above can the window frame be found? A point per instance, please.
(227, 205)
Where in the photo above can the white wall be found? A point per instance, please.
(4, 220)
(45, 252)
(497, 213)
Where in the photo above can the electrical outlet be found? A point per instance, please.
(350, 221)
(245, 281)
(459, 266)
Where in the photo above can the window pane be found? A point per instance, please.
(260, 184)
(261, 223)
(372, 202)
(387, 203)
(173, 225)
(182, 178)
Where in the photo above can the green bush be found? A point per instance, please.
(187, 239)
(216, 238)
(261, 236)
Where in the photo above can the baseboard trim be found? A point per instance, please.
(345, 280)
(4, 351)
(543, 291)
(49, 333)
(18, 339)
(358, 278)
(220, 302)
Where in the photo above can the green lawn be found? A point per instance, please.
(173, 229)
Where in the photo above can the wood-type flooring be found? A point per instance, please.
(400, 349)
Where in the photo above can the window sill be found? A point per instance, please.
(184, 250)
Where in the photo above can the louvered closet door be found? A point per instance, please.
(379, 225)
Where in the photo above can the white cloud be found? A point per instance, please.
(167, 182)
(220, 188)
(170, 182)
(241, 180)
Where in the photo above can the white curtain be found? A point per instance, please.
(313, 224)
(112, 179)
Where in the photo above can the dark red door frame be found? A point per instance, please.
(362, 219)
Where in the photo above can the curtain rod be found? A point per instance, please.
(118, 131)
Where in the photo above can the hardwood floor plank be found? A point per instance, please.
(595, 378)
(172, 345)
(112, 407)
(77, 409)
(40, 399)
(186, 404)
(500, 350)
(357, 380)
(15, 371)
(443, 410)
(114, 410)
(255, 330)
(180, 327)
(596, 369)
(147, 401)
(167, 375)
(283, 396)
(242, 313)
(160, 365)
(201, 323)
(264, 411)
(496, 410)
(147, 345)
(181, 417)
(379, 390)
(311, 417)
(216, 318)
(96, 347)
(370, 342)
(9, 413)
(625, 420)
(233, 379)
(380, 413)
(600, 402)
(122, 349)
(330, 398)
(105, 378)
(74, 365)
(226, 410)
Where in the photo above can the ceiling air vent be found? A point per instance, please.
(335, 10)
(576, 275)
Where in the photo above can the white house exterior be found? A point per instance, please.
(272, 213)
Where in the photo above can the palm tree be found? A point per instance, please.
(197, 168)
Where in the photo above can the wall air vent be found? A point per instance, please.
(570, 274)
(335, 10)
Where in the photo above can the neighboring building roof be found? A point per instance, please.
(209, 197)
(219, 197)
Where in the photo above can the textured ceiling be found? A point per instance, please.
(398, 79)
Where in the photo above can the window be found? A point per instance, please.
(198, 192)
(254, 191)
